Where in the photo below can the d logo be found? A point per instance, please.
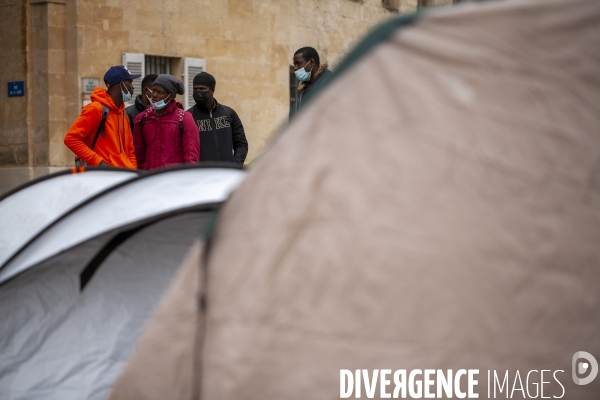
(583, 367)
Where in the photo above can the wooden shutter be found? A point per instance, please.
(191, 67)
(135, 63)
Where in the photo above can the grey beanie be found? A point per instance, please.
(170, 83)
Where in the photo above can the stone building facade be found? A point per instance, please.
(57, 48)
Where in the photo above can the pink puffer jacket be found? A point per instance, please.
(160, 143)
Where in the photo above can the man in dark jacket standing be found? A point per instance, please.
(221, 131)
(310, 72)
(142, 100)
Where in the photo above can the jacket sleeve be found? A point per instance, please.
(139, 143)
(240, 144)
(129, 143)
(191, 140)
(130, 116)
(85, 125)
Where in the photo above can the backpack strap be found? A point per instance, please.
(181, 115)
(101, 127)
(143, 120)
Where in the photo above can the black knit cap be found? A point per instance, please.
(170, 83)
(205, 79)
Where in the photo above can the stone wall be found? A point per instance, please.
(247, 44)
(14, 131)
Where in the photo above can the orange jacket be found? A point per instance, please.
(115, 147)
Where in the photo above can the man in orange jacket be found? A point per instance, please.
(114, 146)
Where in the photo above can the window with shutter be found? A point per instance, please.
(158, 65)
(135, 63)
(191, 67)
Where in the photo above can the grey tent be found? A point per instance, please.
(435, 207)
(30, 208)
(76, 294)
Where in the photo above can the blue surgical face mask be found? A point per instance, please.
(159, 105)
(302, 74)
(126, 96)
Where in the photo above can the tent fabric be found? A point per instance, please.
(435, 207)
(57, 342)
(135, 201)
(20, 210)
(169, 337)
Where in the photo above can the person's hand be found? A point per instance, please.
(103, 164)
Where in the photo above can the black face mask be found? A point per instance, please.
(201, 98)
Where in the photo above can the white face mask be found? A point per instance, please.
(302, 74)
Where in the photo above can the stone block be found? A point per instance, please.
(39, 66)
(218, 48)
(39, 130)
(349, 9)
(60, 155)
(89, 14)
(13, 109)
(40, 153)
(191, 46)
(56, 62)
(101, 16)
(89, 39)
(57, 108)
(13, 133)
(57, 131)
(376, 13)
(114, 40)
(12, 39)
(11, 178)
(57, 38)
(17, 66)
(57, 85)
(13, 155)
(145, 19)
(243, 9)
(39, 84)
(57, 16)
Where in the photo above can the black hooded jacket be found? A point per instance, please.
(133, 110)
(222, 136)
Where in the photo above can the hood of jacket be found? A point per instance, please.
(101, 96)
(303, 85)
(139, 103)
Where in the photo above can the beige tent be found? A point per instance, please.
(437, 206)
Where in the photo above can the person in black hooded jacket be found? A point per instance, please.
(142, 100)
(222, 134)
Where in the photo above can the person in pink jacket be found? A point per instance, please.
(164, 134)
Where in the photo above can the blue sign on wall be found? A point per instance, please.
(16, 89)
